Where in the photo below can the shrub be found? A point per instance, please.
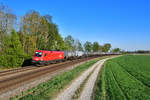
(13, 52)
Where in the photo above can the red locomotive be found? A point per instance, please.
(47, 57)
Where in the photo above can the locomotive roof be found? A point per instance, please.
(46, 51)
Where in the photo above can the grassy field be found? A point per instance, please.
(48, 90)
(124, 78)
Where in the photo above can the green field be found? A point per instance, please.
(124, 78)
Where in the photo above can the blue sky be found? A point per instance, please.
(123, 23)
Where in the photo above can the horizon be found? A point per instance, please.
(124, 24)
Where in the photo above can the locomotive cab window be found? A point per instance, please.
(38, 54)
(46, 54)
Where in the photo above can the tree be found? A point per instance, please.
(116, 50)
(29, 29)
(13, 52)
(106, 47)
(7, 21)
(100, 48)
(95, 46)
(42, 34)
(78, 45)
(55, 41)
(88, 46)
(39, 32)
(69, 43)
(59, 42)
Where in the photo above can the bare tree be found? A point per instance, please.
(7, 21)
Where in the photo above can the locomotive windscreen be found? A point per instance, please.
(38, 54)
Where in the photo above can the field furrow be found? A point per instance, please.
(126, 78)
(119, 87)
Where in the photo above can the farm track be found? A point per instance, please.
(87, 88)
(14, 81)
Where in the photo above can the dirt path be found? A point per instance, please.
(87, 91)
(86, 94)
(89, 85)
(69, 92)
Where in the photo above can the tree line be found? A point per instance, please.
(20, 38)
(139, 52)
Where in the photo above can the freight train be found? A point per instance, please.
(43, 57)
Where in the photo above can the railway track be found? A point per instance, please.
(8, 72)
(29, 74)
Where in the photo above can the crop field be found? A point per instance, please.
(124, 78)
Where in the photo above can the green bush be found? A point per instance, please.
(12, 52)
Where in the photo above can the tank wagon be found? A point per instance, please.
(43, 57)
(69, 55)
